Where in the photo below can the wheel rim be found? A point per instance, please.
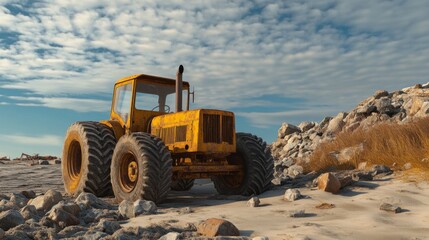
(74, 163)
(128, 172)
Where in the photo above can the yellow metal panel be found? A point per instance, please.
(194, 135)
(118, 130)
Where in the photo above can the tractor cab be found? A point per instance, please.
(139, 98)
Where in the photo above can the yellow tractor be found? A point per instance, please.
(145, 149)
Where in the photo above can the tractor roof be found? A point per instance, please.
(150, 78)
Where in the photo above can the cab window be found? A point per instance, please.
(123, 101)
(157, 97)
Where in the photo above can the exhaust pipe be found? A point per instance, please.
(179, 86)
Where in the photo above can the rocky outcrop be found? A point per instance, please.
(295, 144)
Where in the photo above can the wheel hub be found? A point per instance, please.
(132, 171)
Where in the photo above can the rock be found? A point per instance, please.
(292, 195)
(63, 218)
(185, 210)
(390, 208)
(253, 202)
(126, 209)
(108, 227)
(297, 213)
(88, 200)
(29, 212)
(2, 233)
(295, 170)
(384, 105)
(70, 231)
(18, 199)
(381, 93)
(408, 166)
(378, 169)
(43, 162)
(305, 126)
(71, 208)
(260, 238)
(336, 124)
(328, 182)
(362, 176)
(143, 207)
(29, 194)
(47, 201)
(13, 234)
(45, 233)
(217, 227)
(10, 219)
(57, 161)
(287, 129)
(94, 215)
(170, 236)
(47, 222)
(94, 235)
(277, 181)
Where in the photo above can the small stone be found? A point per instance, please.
(253, 202)
(57, 161)
(408, 166)
(295, 170)
(217, 227)
(47, 201)
(378, 169)
(297, 213)
(71, 208)
(277, 181)
(126, 209)
(287, 129)
(170, 236)
(63, 218)
(185, 210)
(29, 194)
(108, 227)
(292, 195)
(87, 200)
(94, 235)
(260, 238)
(328, 182)
(43, 162)
(390, 208)
(381, 93)
(10, 219)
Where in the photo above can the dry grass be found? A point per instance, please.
(383, 144)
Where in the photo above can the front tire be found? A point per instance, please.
(87, 155)
(258, 168)
(141, 168)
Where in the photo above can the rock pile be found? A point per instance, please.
(296, 143)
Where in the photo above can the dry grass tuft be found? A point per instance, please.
(386, 144)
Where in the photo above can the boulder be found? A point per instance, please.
(292, 195)
(336, 124)
(253, 202)
(94, 215)
(71, 208)
(47, 201)
(108, 227)
(43, 162)
(10, 219)
(305, 126)
(295, 170)
(88, 200)
(126, 209)
(287, 129)
(381, 93)
(328, 182)
(63, 218)
(18, 199)
(29, 212)
(144, 207)
(217, 227)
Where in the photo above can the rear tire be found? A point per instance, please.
(258, 168)
(87, 155)
(141, 168)
(182, 184)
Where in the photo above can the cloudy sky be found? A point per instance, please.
(268, 61)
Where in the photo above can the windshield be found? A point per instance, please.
(157, 97)
(123, 101)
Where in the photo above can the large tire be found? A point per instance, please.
(258, 168)
(182, 184)
(141, 168)
(87, 154)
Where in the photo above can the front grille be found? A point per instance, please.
(215, 131)
(227, 129)
(167, 135)
(211, 128)
(181, 133)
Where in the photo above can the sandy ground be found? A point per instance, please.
(356, 214)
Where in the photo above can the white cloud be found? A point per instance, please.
(43, 140)
(75, 104)
(333, 53)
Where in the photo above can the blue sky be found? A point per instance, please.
(268, 61)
